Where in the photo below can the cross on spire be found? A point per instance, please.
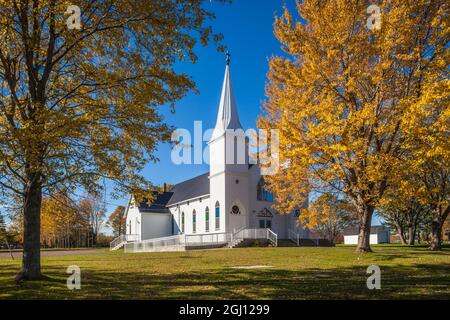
(227, 117)
(228, 55)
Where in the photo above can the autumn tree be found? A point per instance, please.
(63, 224)
(446, 229)
(80, 95)
(405, 215)
(3, 230)
(329, 216)
(116, 221)
(93, 209)
(5, 236)
(342, 93)
(427, 136)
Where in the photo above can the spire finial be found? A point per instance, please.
(228, 55)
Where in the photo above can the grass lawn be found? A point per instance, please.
(296, 273)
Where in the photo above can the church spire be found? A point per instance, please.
(227, 117)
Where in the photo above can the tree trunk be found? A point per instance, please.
(401, 233)
(9, 247)
(436, 235)
(402, 238)
(31, 262)
(365, 213)
(439, 216)
(411, 235)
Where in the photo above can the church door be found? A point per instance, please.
(265, 223)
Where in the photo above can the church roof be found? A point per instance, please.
(159, 203)
(227, 117)
(186, 190)
(190, 189)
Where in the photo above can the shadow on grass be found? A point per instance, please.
(415, 281)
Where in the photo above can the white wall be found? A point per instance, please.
(229, 181)
(200, 209)
(353, 239)
(155, 225)
(133, 221)
(217, 193)
(236, 186)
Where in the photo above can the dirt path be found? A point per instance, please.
(55, 253)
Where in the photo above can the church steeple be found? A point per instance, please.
(227, 117)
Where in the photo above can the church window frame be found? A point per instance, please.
(194, 221)
(207, 219)
(182, 223)
(262, 194)
(217, 214)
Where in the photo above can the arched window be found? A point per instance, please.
(207, 219)
(217, 215)
(261, 193)
(182, 222)
(194, 221)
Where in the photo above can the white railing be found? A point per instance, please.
(235, 231)
(294, 237)
(172, 243)
(272, 237)
(207, 239)
(251, 234)
(255, 234)
(180, 242)
(118, 241)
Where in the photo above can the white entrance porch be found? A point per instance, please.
(197, 241)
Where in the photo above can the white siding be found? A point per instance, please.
(133, 221)
(200, 209)
(156, 225)
(353, 239)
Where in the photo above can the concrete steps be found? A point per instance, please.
(243, 243)
(118, 246)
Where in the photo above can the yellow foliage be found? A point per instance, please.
(352, 105)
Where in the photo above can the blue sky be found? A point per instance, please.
(247, 26)
(248, 34)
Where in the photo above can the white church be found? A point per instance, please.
(223, 207)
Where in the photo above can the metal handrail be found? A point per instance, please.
(294, 236)
(116, 241)
(124, 238)
(272, 237)
(208, 238)
(180, 242)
